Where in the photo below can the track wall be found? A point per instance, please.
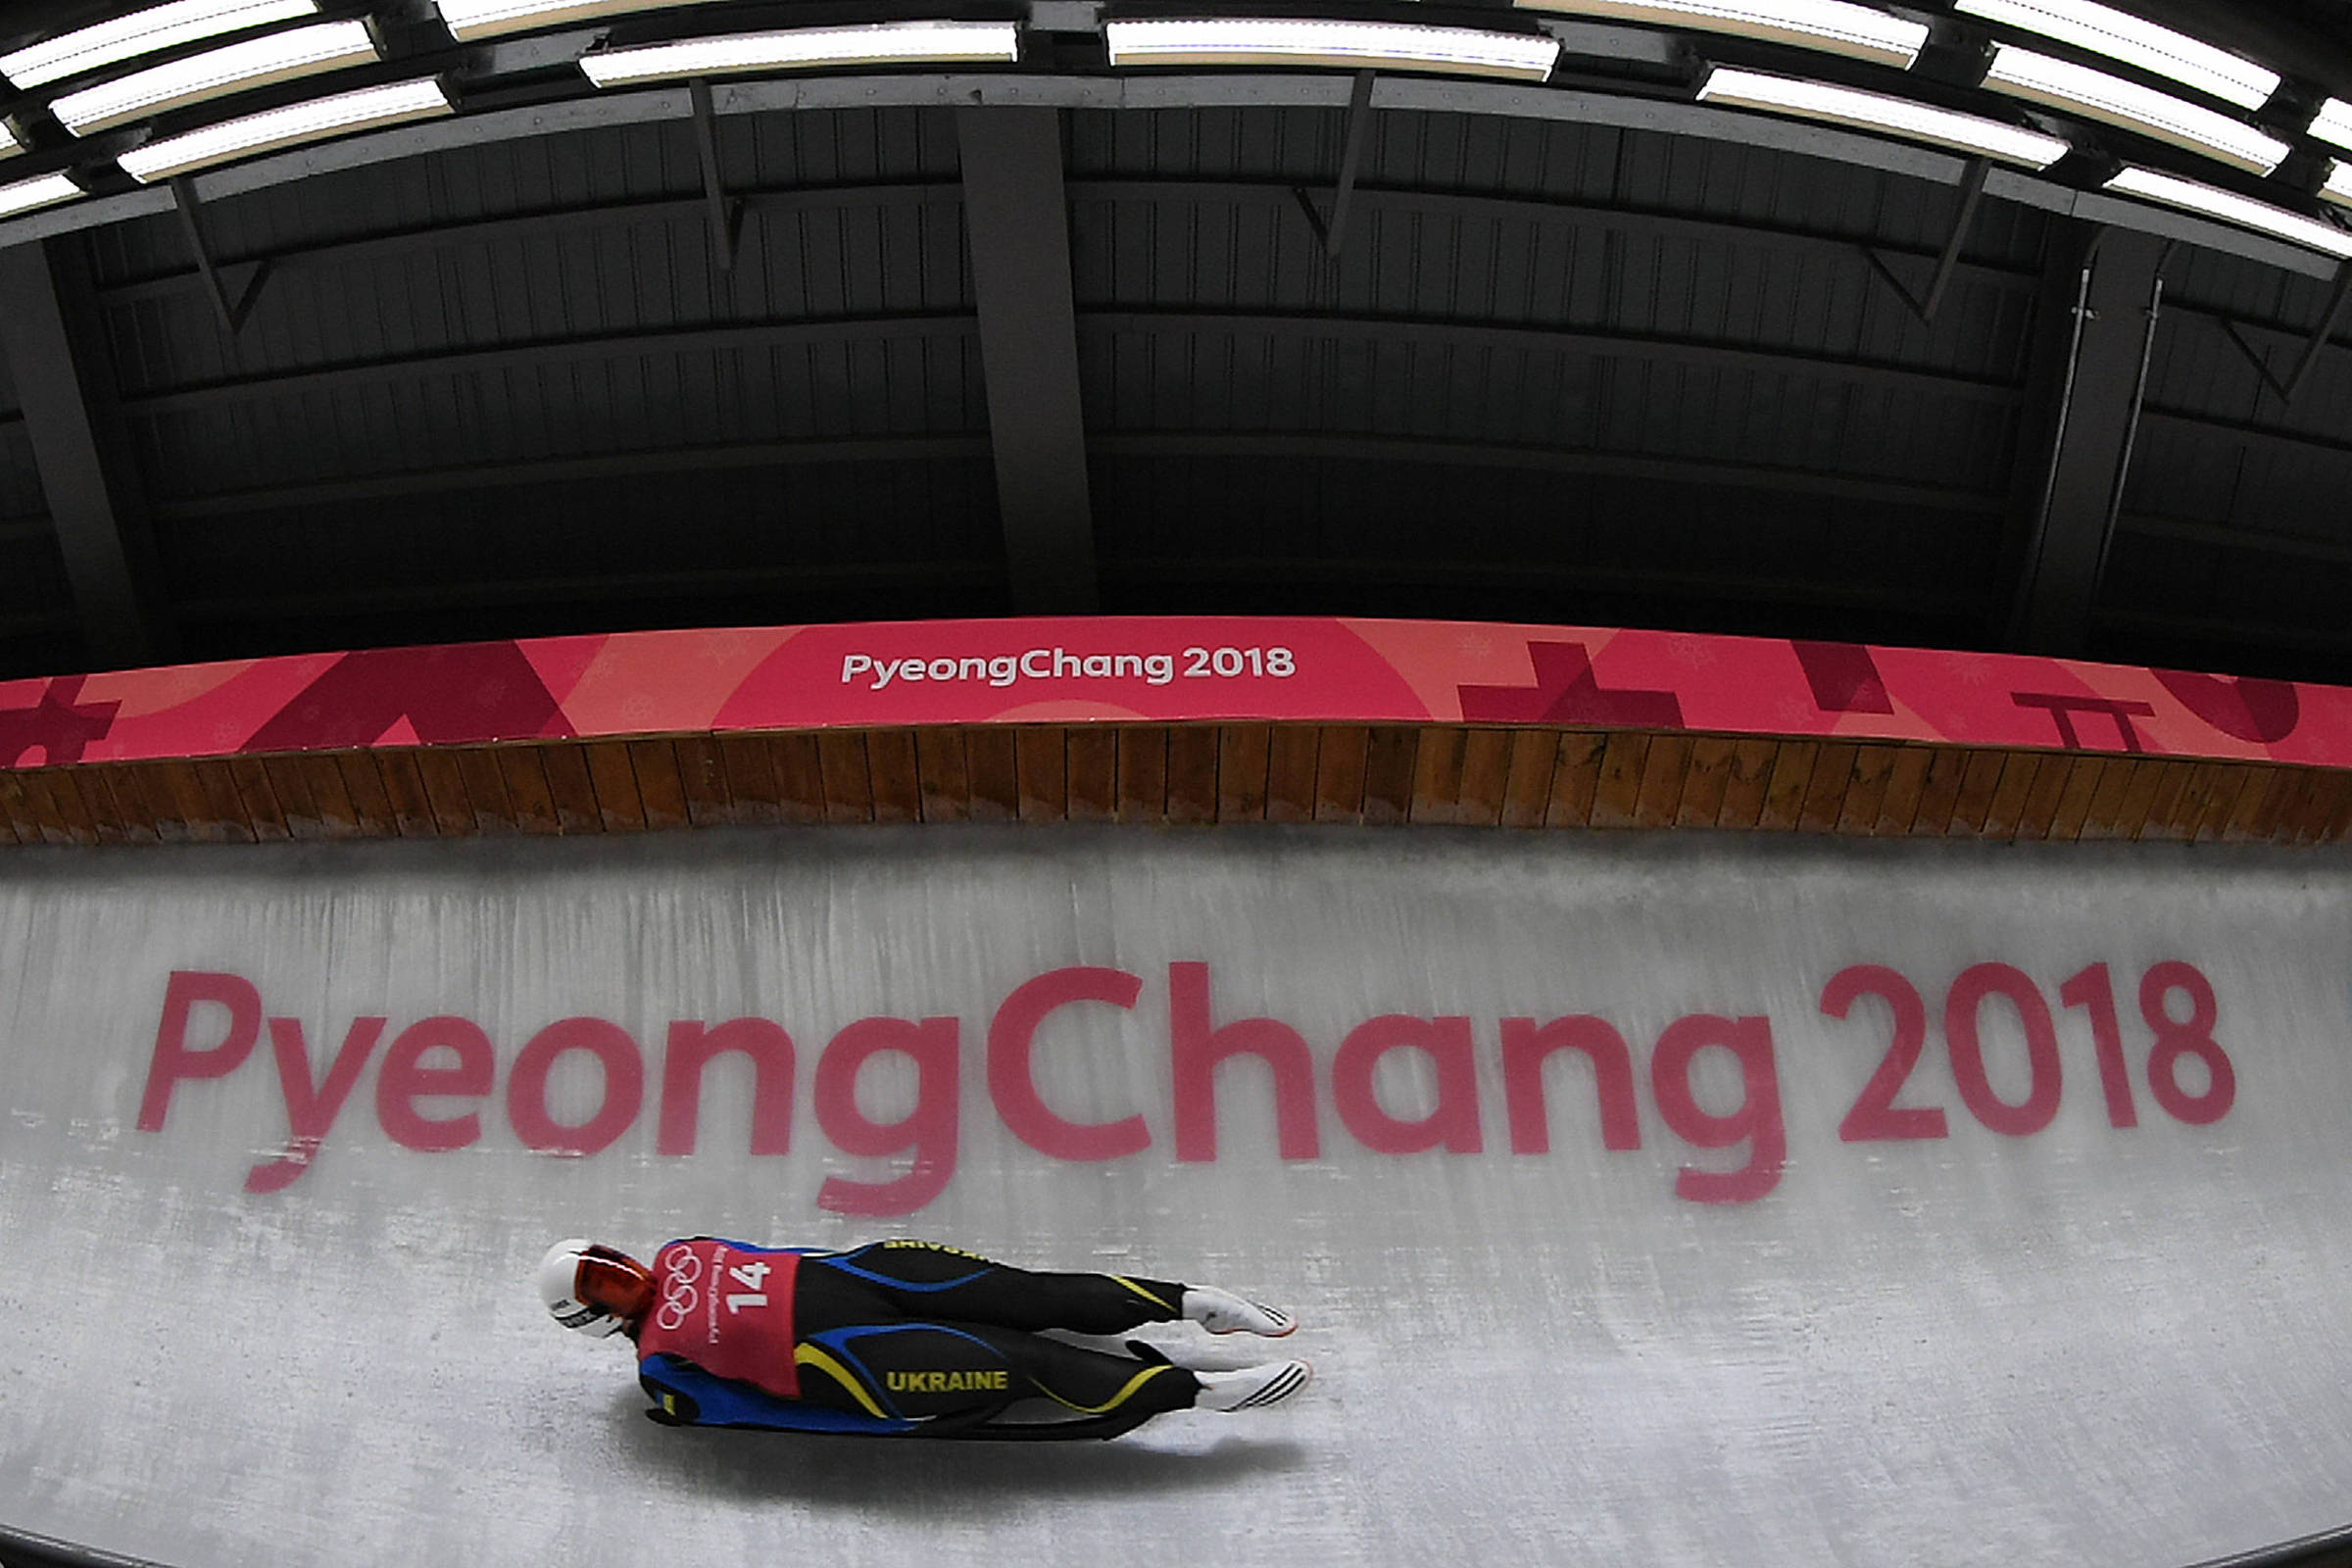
(1623, 1224)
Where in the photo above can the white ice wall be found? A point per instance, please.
(2092, 1343)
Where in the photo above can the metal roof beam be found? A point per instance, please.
(1281, 445)
(1269, 323)
(2100, 295)
(51, 333)
(1018, 223)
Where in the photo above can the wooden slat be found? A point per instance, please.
(486, 790)
(573, 790)
(2238, 826)
(1527, 791)
(2317, 804)
(2338, 827)
(1939, 791)
(1980, 787)
(94, 804)
(116, 794)
(2148, 778)
(90, 815)
(1192, 774)
(1790, 780)
(2073, 804)
(2223, 788)
(404, 788)
(363, 787)
(172, 815)
(338, 818)
(1865, 792)
(995, 766)
(1392, 756)
(2008, 805)
(1575, 779)
(142, 789)
(1485, 776)
(2121, 776)
(48, 814)
(801, 777)
(445, 790)
(2257, 815)
(2295, 804)
(1704, 782)
(292, 791)
(1663, 770)
(1825, 792)
(1617, 796)
(98, 804)
(1041, 767)
(1750, 777)
(2312, 785)
(2158, 820)
(1341, 760)
(177, 779)
(264, 815)
(15, 814)
(27, 809)
(2057, 770)
(143, 812)
(1437, 774)
(2211, 791)
(1291, 756)
(523, 771)
(890, 770)
(1243, 758)
(947, 783)
(44, 824)
(223, 813)
(659, 789)
(1143, 773)
(751, 772)
(154, 792)
(81, 826)
(1092, 753)
(702, 781)
(1907, 784)
(2329, 791)
(849, 785)
(2189, 803)
(614, 780)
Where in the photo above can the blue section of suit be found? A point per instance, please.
(692, 1396)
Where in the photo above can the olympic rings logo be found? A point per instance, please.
(680, 1268)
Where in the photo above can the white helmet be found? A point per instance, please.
(587, 1286)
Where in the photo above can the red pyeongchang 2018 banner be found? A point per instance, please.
(1161, 670)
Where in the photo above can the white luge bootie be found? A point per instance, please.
(1251, 1388)
(1223, 1312)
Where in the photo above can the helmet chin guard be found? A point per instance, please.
(584, 1286)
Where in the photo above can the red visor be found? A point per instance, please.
(612, 1282)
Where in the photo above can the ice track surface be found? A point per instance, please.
(2103, 1318)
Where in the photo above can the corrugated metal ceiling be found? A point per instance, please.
(1557, 371)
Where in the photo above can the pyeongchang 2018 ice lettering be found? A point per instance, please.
(211, 1023)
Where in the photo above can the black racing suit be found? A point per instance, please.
(913, 1330)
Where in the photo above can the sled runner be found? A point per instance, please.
(686, 1396)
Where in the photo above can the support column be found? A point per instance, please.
(50, 331)
(2100, 294)
(1016, 221)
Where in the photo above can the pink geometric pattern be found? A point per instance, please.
(1161, 670)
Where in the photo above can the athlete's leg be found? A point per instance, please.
(928, 1280)
(922, 1370)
